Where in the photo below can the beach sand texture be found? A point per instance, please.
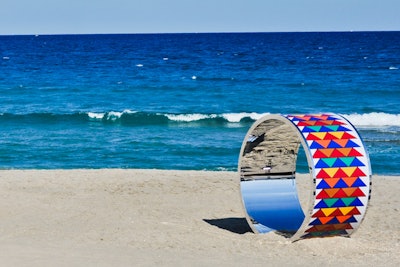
(115, 217)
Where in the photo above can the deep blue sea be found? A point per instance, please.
(186, 101)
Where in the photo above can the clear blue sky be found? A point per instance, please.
(160, 16)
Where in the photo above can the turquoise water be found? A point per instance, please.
(185, 101)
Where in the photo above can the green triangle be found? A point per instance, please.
(315, 128)
(332, 127)
(330, 201)
(347, 160)
(329, 161)
(348, 200)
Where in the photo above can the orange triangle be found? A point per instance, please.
(324, 220)
(331, 191)
(327, 151)
(332, 181)
(343, 218)
(349, 191)
(341, 142)
(345, 150)
(349, 180)
(323, 143)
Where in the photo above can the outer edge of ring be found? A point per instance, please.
(340, 167)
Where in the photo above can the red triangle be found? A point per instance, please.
(319, 213)
(358, 172)
(329, 136)
(340, 173)
(337, 123)
(345, 151)
(354, 153)
(337, 154)
(322, 194)
(312, 137)
(319, 154)
(322, 174)
(337, 212)
(306, 123)
(340, 194)
(354, 211)
(357, 193)
(346, 135)
(320, 123)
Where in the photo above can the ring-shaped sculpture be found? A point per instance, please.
(338, 163)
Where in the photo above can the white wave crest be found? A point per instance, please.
(374, 119)
(95, 115)
(109, 116)
(189, 117)
(237, 117)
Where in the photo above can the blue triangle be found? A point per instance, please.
(358, 183)
(356, 163)
(307, 130)
(297, 119)
(321, 164)
(331, 118)
(333, 221)
(315, 145)
(343, 129)
(338, 204)
(325, 129)
(341, 184)
(351, 144)
(339, 163)
(333, 144)
(321, 205)
(323, 185)
(351, 219)
(314, 119)
(356, 202)
(315, 222)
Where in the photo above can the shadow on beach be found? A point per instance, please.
(235, 225)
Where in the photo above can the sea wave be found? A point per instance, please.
(374, 119)
(129, 117)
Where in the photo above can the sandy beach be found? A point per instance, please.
(114, 217)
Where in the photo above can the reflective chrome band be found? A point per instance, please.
(339, 188)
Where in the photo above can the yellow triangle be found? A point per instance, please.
(320, 135)
(345, 210)
(349, 170)
(337, 134)
(328, 211)
(331, 171)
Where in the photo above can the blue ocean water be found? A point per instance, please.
(186, 101)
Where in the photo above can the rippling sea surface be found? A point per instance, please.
(186, 101)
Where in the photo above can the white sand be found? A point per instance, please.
(168, 218)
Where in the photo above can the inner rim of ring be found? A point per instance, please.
(267, 177)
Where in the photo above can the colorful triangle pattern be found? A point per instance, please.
(341, 174)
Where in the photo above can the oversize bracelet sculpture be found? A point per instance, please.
(339, 187)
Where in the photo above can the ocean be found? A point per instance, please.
(186, 101)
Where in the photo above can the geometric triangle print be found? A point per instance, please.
(333, 144)
(357, 202)
(356, 162)
(344, 151)
(343, 129)
(351, 144)
(323, 143)
(347, 201)
(321, 204)
(333, 221)
(330, 162)
(347, 161)
(341, 184)
(354, 153)
(358, 172)
(337, 153)
(323, 184)
(339, 163)
(310, 129)
(331, 182)
(339, 204)
(319, 154)
(315, 145)
(322, 164)
(349, 181)
(358, 183)
(341, 142)
(330, 202)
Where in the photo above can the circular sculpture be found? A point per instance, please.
(339, 188)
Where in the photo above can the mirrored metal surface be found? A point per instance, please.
(267, 169)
